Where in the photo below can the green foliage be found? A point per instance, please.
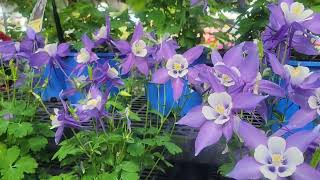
(14, 165)
(315, 158)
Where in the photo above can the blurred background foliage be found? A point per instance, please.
(244, 19)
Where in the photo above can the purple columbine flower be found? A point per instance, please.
(274, 157)
(177, 67)
(31, 42)
(104, 73)
(218, 117)
(103, 34)
(292, 19)
(136, 52)
(11, 50)
(50, 53)
(164, 48)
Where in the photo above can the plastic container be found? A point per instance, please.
(287, 107)
(160, 98)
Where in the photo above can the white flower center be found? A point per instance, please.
(139, 48)
(276, 159)
(177, 66)
(112, 73)
(225, 79)
(219, 109)
(298, 74)
(102, 33)
(314, 101)
(83, 56)
(54, 119)
(296, 12)
(92, 103)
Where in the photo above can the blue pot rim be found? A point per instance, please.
(304, 63)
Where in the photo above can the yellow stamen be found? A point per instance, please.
(277, 159)
(177, 66)
(220, 109)
(296, 72)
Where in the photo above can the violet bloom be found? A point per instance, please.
(177, 68)
(31, 42)
(274, 157)
(103, 34)
(136, 52)
(165, 48)
(219, 117)
(50, 53)
(104, 73)
(11, 50)
(290, 18)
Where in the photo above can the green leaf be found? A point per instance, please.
(136, 149)
(37, 143)
(134, 116)
(107, 176)
(172, 148)
(27, 164)
(11, 174)
(20, 130)
(129, 166)
(129, 176)
(3, 126)
(315, 158)
(12, 154)
(226, 168)
(66, 149)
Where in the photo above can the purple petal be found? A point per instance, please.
(250, 66)
(303, 45)
(276, 66)
(209, 134)
(63, 49)
(262, 109)
(305, 172)
(313, 24)
(193, 2)
(246, 168)
(276, 17)
(138, 33)
(161, 76)
(228, 71)
(271, 88)
(298, 120)
(142, 65)
(123, 46)
(167, 49)
(88, 43)
(234, 56)
(248, 131)
(128, 63)
(58, 134)
(31, 34)
(228, 130)
(192, 54)
(312, 81)
(194, 118)
(39, 59)
(302, 139)
(215, 56)
(108, 25)
(177, 86)
(246, 100)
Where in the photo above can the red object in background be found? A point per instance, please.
(4, 37)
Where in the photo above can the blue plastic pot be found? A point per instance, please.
(70, 63)
(287, 107)
(56, 83)
(160, 98)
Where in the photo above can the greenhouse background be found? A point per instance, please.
(159, 89)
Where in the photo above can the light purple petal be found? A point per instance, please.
(167, 49)
(276, 66)
(271, 88)
(215, 56)
(276, 17)
(161, 76)
(39, 59)
(303, 45)
(313, 24)
(194, 118)
(262, 109)
(246, 100)
(247, 132)
(128, 63)
(58, 134)
(63, 49)
(177, 86)
(249, 66)
(138, 33)
(192, 54)
(228, 130)
(123, 46)
(302, 139)
(88, 43)
(298, 120)
(312, 81)
(209, 134)
(306, 172)
(234, 56)
(142, 65)
(246, 168)
(31, 34)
